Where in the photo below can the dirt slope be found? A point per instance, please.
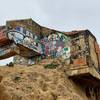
(37, 83)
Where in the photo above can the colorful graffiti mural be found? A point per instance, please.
(54, 45)
(57, 44)
(25, 40)
(71, 46)
(8, 51)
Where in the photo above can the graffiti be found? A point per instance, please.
(27, 61)
(20, 60)
(25, 40)
(8, 49)
(15, 36)
(56, 45)
(33, 47)
(27, 33)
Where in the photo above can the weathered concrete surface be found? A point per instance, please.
(82, 71)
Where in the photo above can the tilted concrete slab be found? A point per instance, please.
(84, 70)
(8, 51)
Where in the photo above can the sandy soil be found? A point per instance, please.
(37, 83)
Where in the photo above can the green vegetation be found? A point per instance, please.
(11, 64)
(51, 66)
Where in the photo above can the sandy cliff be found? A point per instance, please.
(37, 83)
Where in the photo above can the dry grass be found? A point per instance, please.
(37, 83)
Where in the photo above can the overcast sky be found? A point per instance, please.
(64, 15)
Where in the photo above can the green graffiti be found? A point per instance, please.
(63, 37)
(66, 49)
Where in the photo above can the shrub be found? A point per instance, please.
(51, 66)
(11, 64)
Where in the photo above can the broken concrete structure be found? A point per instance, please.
(29, 43)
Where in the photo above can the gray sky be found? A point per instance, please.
(64, 15)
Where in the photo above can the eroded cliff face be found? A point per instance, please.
(37, 83)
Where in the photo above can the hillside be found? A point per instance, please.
(37, 83)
